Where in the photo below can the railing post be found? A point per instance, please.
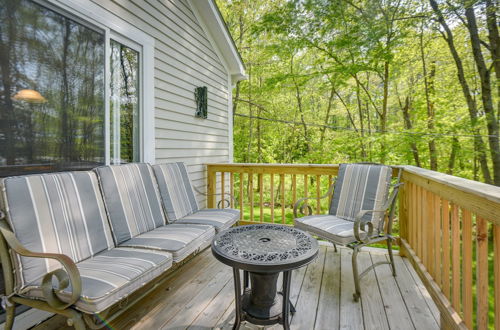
(403, 214)
(211, 183)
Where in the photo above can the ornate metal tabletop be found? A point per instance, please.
(264, 247)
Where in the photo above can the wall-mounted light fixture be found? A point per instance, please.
(200, 96)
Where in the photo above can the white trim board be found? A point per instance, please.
(208, 16)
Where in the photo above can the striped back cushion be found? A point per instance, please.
(57, 213)
(176, 190)
(132, 199)
(361, 187)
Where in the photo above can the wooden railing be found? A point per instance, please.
(267, 192)
(449, 227)
(450, 231)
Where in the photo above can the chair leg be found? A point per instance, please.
(75, 319)
(10, 314)
(391, 257)
(335, 247)
(357, 293)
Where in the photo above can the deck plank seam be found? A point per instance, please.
(416, 279)
(380, 291)
(299, 291)
(320, 286)
(211, 301)
(402, 296)
(166, 322)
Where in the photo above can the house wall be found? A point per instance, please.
(184, 59)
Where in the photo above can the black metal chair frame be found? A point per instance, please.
(362, 239)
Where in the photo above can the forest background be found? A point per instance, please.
(390, 81)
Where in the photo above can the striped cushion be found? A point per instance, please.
(329, 227)
(176, 191)
(132, 199)
(57, 213)
(180, 240)
(112, 275)
(361, 187)
(219, 218)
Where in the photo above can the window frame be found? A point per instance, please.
(113, 27)
(115, 159)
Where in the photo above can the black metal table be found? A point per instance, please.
(263, 251)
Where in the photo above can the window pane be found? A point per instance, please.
(51, 91)
(124, 107)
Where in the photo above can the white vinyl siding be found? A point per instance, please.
(183, 59)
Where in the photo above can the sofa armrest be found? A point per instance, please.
(68, 275)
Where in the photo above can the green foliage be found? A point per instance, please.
(331, 78)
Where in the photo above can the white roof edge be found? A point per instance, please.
(212, 21)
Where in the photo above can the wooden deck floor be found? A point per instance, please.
(200, 295)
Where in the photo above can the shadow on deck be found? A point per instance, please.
(200, 295)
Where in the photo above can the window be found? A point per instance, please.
(124, 103)
(70, 92)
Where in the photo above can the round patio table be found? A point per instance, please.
(263, 251)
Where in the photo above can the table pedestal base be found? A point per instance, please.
(260, 302)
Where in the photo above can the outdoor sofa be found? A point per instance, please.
(80, 243)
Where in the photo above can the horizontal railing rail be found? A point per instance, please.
(449, 227)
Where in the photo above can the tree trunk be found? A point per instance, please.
(409, 126)
(429, 89)
(236, 97)
(8, 120)
(486, 97)
(361, 122)
(453, 155)
(327, 116)
(383, 117)
(300, 108)
(471, 104)
(494, 38)
(250, 112)
(259, 140)
(66, 138)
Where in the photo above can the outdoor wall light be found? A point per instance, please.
(200, 95)
(30, 96)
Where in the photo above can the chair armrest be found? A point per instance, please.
(217, 194)
(67, 276)
(308, 207)
(359, 223)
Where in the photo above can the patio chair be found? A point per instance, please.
(362, 201)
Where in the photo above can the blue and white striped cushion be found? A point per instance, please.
(179, 239)
(361, 187)
(112, 275)
(132, 199)
(221, 219)
(176, 191)
(329, 227)
(56, 213)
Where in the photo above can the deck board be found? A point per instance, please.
(200, 295)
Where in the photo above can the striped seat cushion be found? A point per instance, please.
(112, 275)
(176, 191)
(132, 199)
(329, 227)
(361, 187)
(56, 213)
(219, 218)
(179, 239)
